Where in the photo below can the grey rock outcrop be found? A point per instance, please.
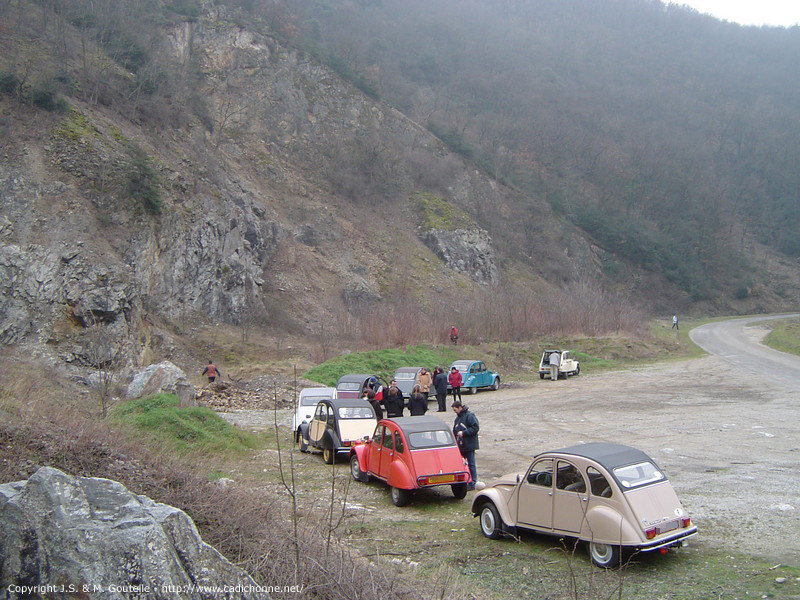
(85, 537)
(162, 377)
(467, 251)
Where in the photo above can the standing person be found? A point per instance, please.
(393, 400)
(675, 323)
(454, 334)
(369, 396)
(465, 429)
(555, 362)
(440, 385)
(211, 371)
(424, 381)
(418, 402)
(455, 380)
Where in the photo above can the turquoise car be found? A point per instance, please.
(475, 374)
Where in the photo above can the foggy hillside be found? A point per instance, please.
(373, 170)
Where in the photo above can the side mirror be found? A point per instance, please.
(517, 477)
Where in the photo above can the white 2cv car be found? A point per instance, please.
(611, 496)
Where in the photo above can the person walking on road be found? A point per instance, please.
(455, 380)
(555, 362)
(465, 430)
(440, 385)
(675, 323)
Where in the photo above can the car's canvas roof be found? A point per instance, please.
(355, 377)
(344, 402)
(407, 369)
(464, 362)
(318, 391)
(610, 456)
(421, 423)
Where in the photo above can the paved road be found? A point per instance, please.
(735, 341)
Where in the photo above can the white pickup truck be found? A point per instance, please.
(568, 366)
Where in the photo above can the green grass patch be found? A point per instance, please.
(785, 336)
(434, 212)
(383, 362)
(187, 430)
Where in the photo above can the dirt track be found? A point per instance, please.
(728, 439)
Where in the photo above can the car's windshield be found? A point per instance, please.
(349, 386)
(356, 412)
(632, 476)
(431, 439)
(311, 400)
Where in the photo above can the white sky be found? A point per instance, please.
(749, 12)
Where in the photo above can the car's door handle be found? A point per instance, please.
(549, 493)
(586, 499)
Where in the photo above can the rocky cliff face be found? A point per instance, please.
(70, 537)
(289, 194)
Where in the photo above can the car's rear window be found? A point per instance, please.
(356, 412)
(312, 400)
(405, 376)
(462, 368)
(631, 476)
(349, 386)
(431, 439)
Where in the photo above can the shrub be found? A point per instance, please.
(9, 83)
(142, 180)
(48, 100)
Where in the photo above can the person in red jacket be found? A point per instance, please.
(455, 380)
(454, 334)
(212, 372)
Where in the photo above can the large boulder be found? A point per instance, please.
(85, 537)
(162, 377)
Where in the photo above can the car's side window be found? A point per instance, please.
(387, 438)
(321, 414)
(541, 473)
(398, 442)
(569, 478)
(377, 437)
(598, 483)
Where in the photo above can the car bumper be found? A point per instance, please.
(671, 540)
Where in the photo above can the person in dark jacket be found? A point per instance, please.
(440, 385)
(369, 396)
(393, 400)
(465, 429)
(417, 402)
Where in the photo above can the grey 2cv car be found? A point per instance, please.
(611, 496)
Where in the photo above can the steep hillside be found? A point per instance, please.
(172, 164)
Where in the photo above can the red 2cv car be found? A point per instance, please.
(411, 453)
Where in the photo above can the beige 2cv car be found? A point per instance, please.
(611, 496)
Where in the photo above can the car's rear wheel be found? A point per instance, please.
(329, 455)
(496, 384)
(606, 556)
(473, 390)
(459, 490)
(301, 442)
(541, 375)
(491, 525)
(355, 470)
(578, 370)
(400, 497)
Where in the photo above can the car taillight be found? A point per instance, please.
(686, 522)
(462, 477)
(422, 481)
(650, 533)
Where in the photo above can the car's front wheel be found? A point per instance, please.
(578, 370)
(400, 497)
(606, 556)
(328, 455)
(355, 470)
(459, 490)
(490, 521)
(473, 390)
(496, 384)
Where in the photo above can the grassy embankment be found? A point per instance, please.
(784, 335)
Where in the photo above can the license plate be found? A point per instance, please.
(668, 526)
(441, 479)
